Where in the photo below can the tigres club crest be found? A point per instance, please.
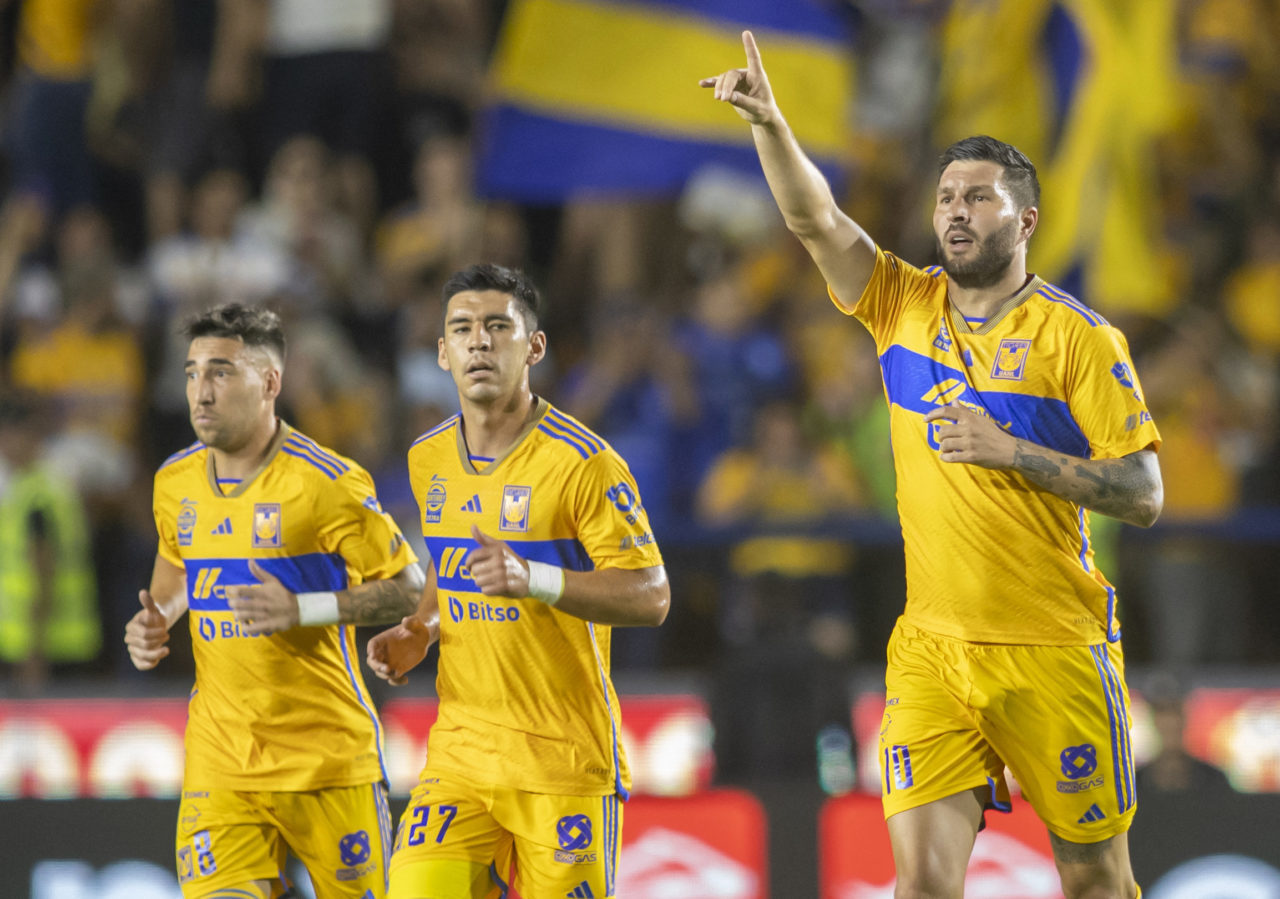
(515, 509)
(1011, 360)
(266, 525)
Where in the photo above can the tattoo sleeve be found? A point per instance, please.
(1127, 488)
(380, 602)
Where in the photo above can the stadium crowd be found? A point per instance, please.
(164, 155)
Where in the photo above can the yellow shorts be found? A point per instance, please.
(957, 713)
(229, 838)
(459, 840)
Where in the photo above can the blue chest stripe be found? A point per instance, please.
(912, 382)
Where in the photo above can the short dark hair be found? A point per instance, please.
(255, 326)
(488, 276)
(1019, 171)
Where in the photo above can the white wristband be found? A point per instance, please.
(546, 582)
(317, 609)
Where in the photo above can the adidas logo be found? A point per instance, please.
(473, 505)
(223, 529)
(581, 891)
(1094, 814)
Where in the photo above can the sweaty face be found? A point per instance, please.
(487, 346)
(976, 223)
(230, 391)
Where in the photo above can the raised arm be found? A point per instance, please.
(844, 253)
(616, 596)
(270, 606)
(1129, 488)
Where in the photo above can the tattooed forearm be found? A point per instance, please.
(1030, 463)
(1128, 488)
(384, 601)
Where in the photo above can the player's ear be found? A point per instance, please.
(537, 347)
(1029, 219)
(442, 358)
(272, 381)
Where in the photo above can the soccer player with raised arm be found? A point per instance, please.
(276, 546)
(1015, 412)
(539, 546)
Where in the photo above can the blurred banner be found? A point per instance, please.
(119, 748)
(602, 96)
(709, 846)
(1227, 845)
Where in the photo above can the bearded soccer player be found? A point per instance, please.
(539, 546)
(1015, 412)
(277, 546)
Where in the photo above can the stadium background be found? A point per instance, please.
(336, 160)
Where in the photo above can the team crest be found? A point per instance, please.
(1011, 360)
(515, 509)
(266, 525)
(435, 500)
(186, 521)
(943, 340)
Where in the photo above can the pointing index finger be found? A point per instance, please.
(754, 65)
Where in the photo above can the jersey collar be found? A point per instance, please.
(540, 407)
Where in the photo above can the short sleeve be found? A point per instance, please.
(1106, 397)
(893, 285)
(352, 523)
(612, 524)
(165, 509)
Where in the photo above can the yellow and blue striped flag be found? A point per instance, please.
(603, 96)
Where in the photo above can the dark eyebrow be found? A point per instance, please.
(215, 361)
(496, 316)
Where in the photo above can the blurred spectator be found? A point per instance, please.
(48, 599)
(46, 137)
(635, 389)
(439, 49)
(1173, 769)
(86, 363)
(298, 217)
(192, 107)
(787, 609)
(739, 362)
(1196, 598)
(440, 230)
(325, 72)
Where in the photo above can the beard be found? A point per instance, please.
(985, 267)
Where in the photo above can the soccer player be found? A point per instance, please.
(539, 545)
(277, 546)
(1015, 411)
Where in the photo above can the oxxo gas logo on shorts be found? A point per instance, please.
(573, 833)
(1079, 764)
(354, 850)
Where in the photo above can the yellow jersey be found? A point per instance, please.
(288, 711)
(526, 697)
(990, 556)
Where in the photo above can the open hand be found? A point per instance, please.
(394, 652)
(746, 90)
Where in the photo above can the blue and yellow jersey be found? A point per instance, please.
(990, 556)
(288, 711)
(526, 698)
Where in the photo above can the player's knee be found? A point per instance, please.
(929, 884)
